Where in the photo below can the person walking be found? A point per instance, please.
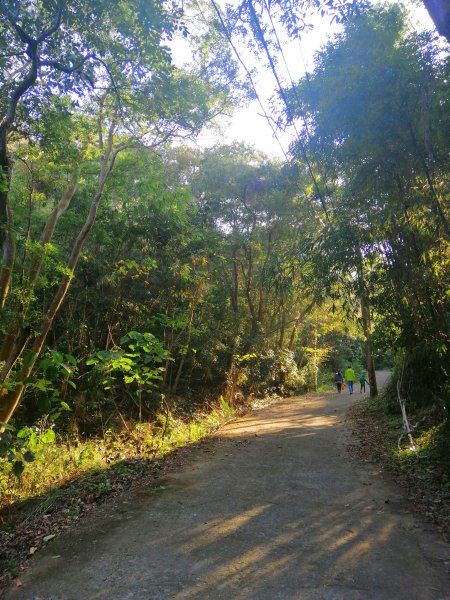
(339, 379)
(362, 383)
(350, 378)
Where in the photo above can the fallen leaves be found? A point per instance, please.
(374, 437)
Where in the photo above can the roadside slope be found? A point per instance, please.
(273, 507)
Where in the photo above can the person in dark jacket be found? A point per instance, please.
(339, 379)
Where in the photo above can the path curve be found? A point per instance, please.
(272, 508)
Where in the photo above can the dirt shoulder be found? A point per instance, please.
(272, 507)
(422, 476)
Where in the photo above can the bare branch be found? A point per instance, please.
(11, 54)
(107, 69)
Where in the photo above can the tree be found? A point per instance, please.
(297, 14)
(119, 82)
(440, 13)
(382, 137)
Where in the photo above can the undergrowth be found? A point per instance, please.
(425, 472)
(68, 458)
(70, 477)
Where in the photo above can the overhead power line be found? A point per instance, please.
(290, 115)
(293, 86)
(249, 76)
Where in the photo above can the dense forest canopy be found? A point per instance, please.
(138, 269)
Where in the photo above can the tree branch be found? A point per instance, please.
(54, 26)
(25, 38)
(54, 64)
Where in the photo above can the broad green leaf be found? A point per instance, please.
(48, 436)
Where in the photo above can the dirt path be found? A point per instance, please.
(272, 508)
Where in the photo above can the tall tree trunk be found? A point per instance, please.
(52, 221)
(7, 243)
(440, 13)
(6, 238)
(188, 341)
(282, 325)
(235, 285)
(12, 341)
(261, 289)
(248, 278)
(365, 312)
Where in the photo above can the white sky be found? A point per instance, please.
(248, 124)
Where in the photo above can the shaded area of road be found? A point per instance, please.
(273, 507)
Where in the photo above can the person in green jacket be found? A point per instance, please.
(362, 383)
(350, 378)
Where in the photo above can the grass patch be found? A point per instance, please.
(327, 387)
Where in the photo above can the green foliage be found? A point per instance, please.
(136, 360)
(52, 463)
(246, 283)
(226, 408)
(381, 137)
(17, 449)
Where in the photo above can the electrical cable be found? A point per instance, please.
(302, 148)
(293, 86)
(283, 56)
(249, 75)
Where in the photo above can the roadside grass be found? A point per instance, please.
(68, 458)
(326, 387)
(424, 473)
(70, 477)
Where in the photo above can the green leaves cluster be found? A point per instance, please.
(138, 360)
(24, 446)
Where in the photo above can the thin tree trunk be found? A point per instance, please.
(297, 322)
(11, 400)
(248, 276)
(6, 238)
(282, 325)
(261, 292)
(8, 245)
(234, 289)
(52, 221)
(183, 358)
(8, 349)
(31, 49)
